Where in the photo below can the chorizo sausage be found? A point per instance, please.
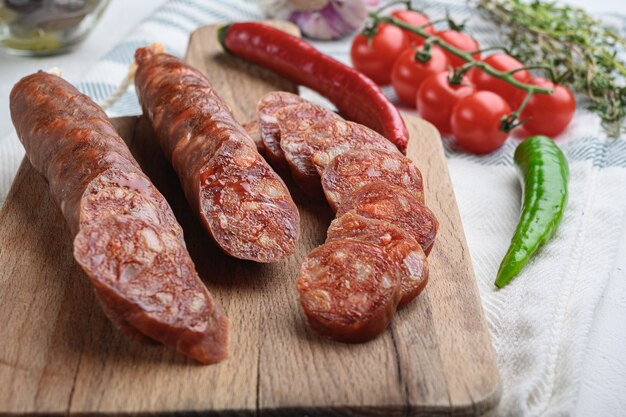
(205, 145)
(293, 122)
(352, 170)
(326, 140)
(395, 205)
(349, 290)
(127, 240)
(268, 126)
(398, 245)
(248, 207)
(253, 130)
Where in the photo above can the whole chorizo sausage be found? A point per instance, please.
(242, 202)
(127, 240)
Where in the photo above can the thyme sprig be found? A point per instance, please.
(576, 45)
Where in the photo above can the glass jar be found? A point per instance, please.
(46, 27)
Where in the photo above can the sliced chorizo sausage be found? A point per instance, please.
(352, 170)
(268, 126)
(253, 130)
(398, 245)
(326, 140)
(116, 192)
(134, 261)
(394, 204)
(293, 122)
(246, 206)
(205, 145)
(127, 240)
(349, 290)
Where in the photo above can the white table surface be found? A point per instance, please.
(603, 389)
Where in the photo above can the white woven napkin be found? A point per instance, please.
(541, 321)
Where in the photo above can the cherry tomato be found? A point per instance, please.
(501, 62)
(375, 57)
(436, 98)
(547, 114)
(416, 19)
(408, 73)
(461, 41)
(476, 121)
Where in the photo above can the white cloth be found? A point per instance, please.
(541, 321)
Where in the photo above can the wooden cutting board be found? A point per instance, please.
(60, 355)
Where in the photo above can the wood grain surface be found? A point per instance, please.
(60, 355)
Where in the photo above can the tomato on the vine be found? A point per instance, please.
(461, 41)
(408, 73)
(437, 97)
(416, 19)
(547, 114)
(501, 62)
(476, 121)
(375, 56)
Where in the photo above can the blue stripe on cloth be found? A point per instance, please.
(128, 104)
(98, 91)
(501, 156)
(242, 9)
(174, 9)
(220, 12)
(601, 153)
(124, 52)
(169, 23)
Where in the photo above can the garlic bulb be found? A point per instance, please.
(320, 19)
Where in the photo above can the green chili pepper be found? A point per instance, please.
(545, 174)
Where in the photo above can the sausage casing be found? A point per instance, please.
(127, 239)
(226, 181)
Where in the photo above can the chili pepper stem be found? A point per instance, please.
(466, 56)
(221, 36)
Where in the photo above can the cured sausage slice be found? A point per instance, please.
(352, 170)
(253, 130)
(398, 245)
(127, 240)
(294, 121)
(197, 132)
(326, 140)
(247, 207)
(397, 206)
(269, 130)
(349, 290)
(130, 262)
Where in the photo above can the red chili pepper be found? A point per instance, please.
(356, 96)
